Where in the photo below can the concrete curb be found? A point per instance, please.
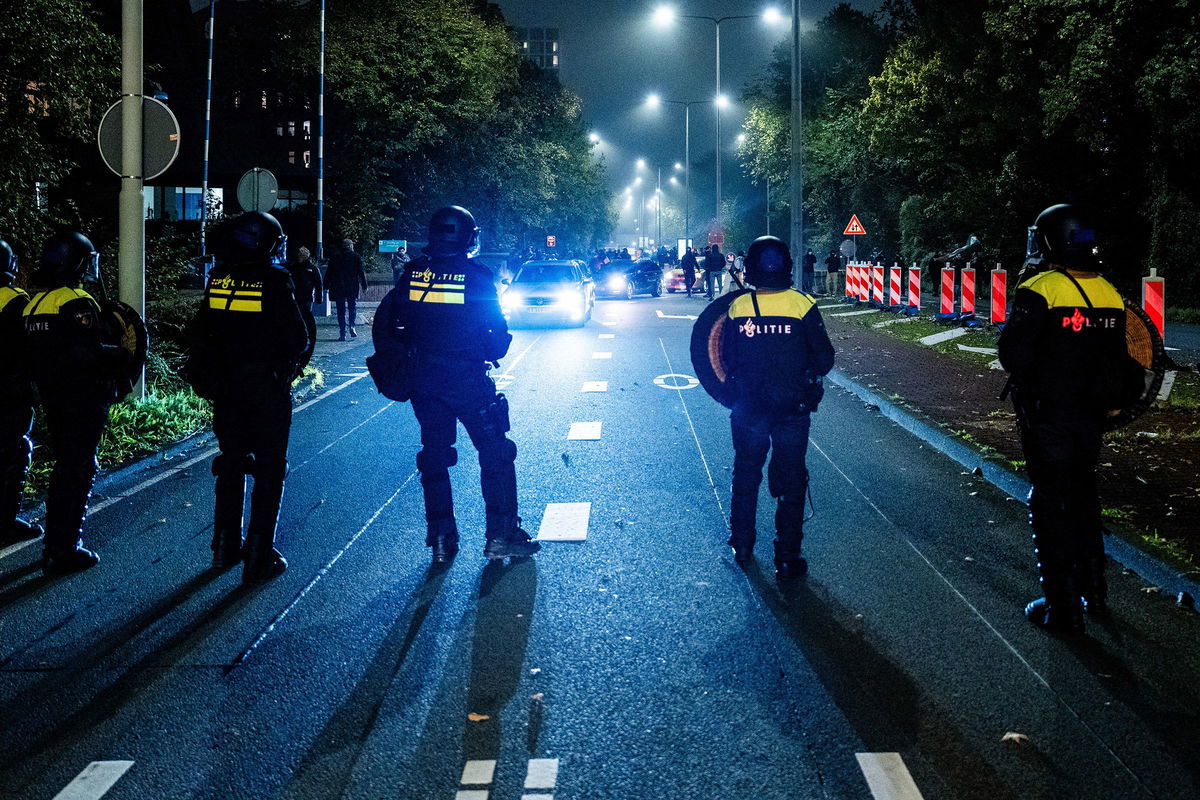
(1128, 555)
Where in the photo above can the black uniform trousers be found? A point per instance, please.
(16, 419)
(75, 426)
(251, 419)
(1064, 506)
(446, 392)
(786, 439)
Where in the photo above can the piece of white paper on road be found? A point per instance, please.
(595, 386)
(944, 336)
(564, 522)
(584, 432)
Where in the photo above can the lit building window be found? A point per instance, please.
(291, 156)
(292, 127)
(308, 159)
(307, 129)
(279, 129)
(264, 98)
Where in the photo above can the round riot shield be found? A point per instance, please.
(126, 329)
(1145, 346)
(707, 348)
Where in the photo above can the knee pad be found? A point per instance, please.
(503, 454)
(270, 470)
(436, 459)
(228, 464)
(792, 500)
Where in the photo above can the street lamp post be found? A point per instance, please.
(797, 169)
(687, 155)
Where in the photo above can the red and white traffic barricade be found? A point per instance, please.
(999, 313)
(947, 290)
(849, 281)
(894, 294)
(864, 282)
(968, 292)
(1154, 299)
(877, 283)
(914, 290)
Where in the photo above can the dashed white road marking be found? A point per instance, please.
(471, 794)
(537, 797)
(584, 432)
(14, 548)
(503, 381)
(601, 355)
(661, 315)
(986, 351)
(887, 776)
(893, 321)
(329, 393)
(565, 522)
(595, 386)
(95, 780)
(542, 774)
(944, 336)
(676, 380)
(856, 313)
(608, 336)
(478, 773)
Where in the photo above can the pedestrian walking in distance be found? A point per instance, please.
(16, 405)
(445, 310)
(1064, 348)
(776, 350)
(689, 263)
(714, 270)
(247, 342)
(343, 280)
(306, 279)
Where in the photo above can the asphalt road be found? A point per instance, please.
(639, 663)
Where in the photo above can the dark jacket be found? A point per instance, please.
(776, 350)
(714, 261)
(689, 263)
(449, 309)
(345, 276)
(1065, 347)
(69, 355)
(833, 263)
(307, 280)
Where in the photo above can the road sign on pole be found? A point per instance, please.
(257, 190)
(855, 228)
(551, 241)
(160, 138)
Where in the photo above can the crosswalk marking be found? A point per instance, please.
(584, 432)
(471, 794)
(595, 386)
(478, 773)
(608, 336)
(542, 774)
(887, 776)
(95, 780)
(565, 522)
(537, 797)
(601, 355)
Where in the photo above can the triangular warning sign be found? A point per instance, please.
(855, 227)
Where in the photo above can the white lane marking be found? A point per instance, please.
(503, 381)
(944, 336)
(565, 522)
(245, 654)
(1167, 384)
(696, 436)
(542, 774)
(14, 548)
(584, 432)
(537, 797)
(601, 355)
(856, 313)
(887, 322)
(986, 351)
(887, 776)
(320, 452)
(595, 386)
(672, 381)
(1171, 349)
(95, 780)
(608, 336)
(478, 773)
(329, 393)
(513, 365)
(471, 794)
(661, 315)
(350, 374)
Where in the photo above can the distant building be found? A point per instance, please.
(541, 46)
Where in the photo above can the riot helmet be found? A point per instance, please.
(452, 231)
(255, 236)
(769, 263)
(67, 259)
(8, 263)
(1064, 236)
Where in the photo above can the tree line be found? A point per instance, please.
(933, 120)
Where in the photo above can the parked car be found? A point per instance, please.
(624, 279)
(550, 291)
(675, 282)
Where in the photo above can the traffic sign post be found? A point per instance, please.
(551, 241)
(257, 190)
(854, 228)
(392, 245)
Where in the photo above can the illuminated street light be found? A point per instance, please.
(653, 100)
(641, 163)
(741, 138)
(722, 101)
(772, 16)
(674, 180)
(637, 181)
(664, 15)
(678, 166)
(595, 137)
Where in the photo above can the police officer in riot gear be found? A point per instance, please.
(776, 350)
(1064, 346)
(16, 404)
(76, 374)
(447, 311)
(247, 343)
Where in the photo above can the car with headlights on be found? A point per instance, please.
(676, 282)
(624, 279)
(549, 292)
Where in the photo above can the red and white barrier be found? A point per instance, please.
(894, 295)
(999, 313)
(968, 291)
(877, 283)
(914, 288)
(849, 280)
(947, 290)
(1154, 299)
(864, 282)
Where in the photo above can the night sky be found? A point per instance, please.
(613, 55)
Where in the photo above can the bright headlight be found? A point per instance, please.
(510, 299)
(616, 282)
(569, 297)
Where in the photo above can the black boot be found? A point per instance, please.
(19, 531)
(226, 547)
(63, 562)
(742, 544)
(789, 564)
(1061, 609)
(230, 497)
(789, 536)
(506, 538)
(1092, 585)
(442, 538)
(262, 561)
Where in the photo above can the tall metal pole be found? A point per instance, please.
(212, 17)
(687, 174)
(658, 211)
(768, 205)
(717, 101)
(321, 146)
(797, 170)
(131, 225)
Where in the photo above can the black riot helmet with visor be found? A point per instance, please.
(1062, 235)
(255, 236)
(8, 264)
(769, 263)
(67, 259)
(452, 232)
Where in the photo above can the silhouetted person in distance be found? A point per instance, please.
(306, 279)
(714, 269)
(343, 280)
(808, 266)
(690, 264)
